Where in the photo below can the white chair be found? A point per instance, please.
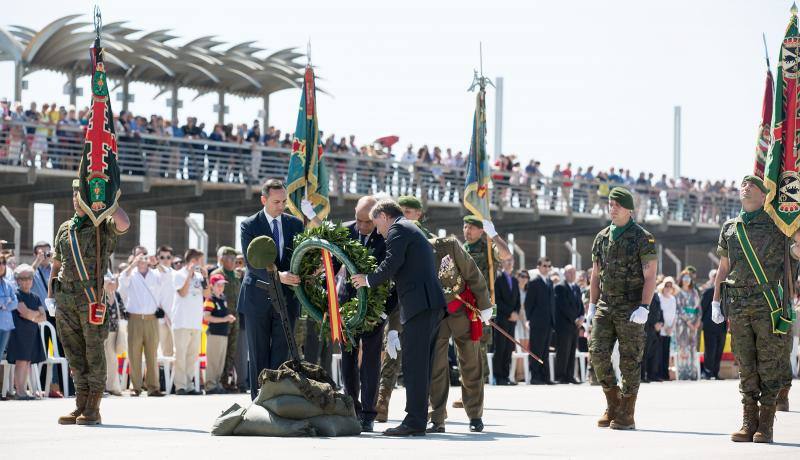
(201, 359)
(519, 354)
(551, 357)
(582, 359)
(8, 379)
(489, 357)
(336, 368)
(55, 360)
(164, 361)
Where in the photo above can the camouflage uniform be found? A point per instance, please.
(479, 254)
(621, 283)
(457, 271)
(83, 342)
(762, 356)
(231, 296)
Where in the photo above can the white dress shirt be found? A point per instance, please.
(144, 294)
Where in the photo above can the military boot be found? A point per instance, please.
(623, 420)
(382, 408)
(766, 417)
(612, 405)
(749, 424)
(783, 400)
(91, 415)
(80, 405)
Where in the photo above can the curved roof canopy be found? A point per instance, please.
(204, 64)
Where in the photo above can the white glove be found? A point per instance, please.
(308, 209)
(639, 316)
(392, 344)
(590, 315)
(488, 227)
(50, 303)
(716, 312)
(486, 316)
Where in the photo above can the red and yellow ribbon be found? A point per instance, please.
(333, 299)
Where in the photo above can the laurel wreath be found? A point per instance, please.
(361, 313)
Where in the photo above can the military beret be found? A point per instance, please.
(410, 202)
(691, 269)
(757, 181)
(261, 252)
(226, 251)
(76, 184)
(622, 196)
(473, 220)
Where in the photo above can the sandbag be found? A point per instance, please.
(335, 425)
(227, 422)
(269, 390)
(258, 421)
(298, 407)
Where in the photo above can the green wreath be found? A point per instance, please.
(360, 314)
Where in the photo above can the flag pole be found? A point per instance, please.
(489, 251)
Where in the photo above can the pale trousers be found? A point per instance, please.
(143, 337)
(112, 366)
(187, 348)
(216, 348)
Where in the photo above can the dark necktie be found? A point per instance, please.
(276, 234)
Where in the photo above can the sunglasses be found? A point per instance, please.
(546, 266)
(164, 257)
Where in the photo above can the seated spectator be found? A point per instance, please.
(216, 314)
(25, 346)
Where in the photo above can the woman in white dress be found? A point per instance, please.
(666, 294)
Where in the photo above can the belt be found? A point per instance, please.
(616, 299)
(73, 286)
(749, 290)
(141, 316)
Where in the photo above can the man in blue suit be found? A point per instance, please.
(410, 263)
(266, 340)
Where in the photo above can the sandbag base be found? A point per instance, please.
(297, 399)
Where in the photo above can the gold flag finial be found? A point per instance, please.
(794, 8)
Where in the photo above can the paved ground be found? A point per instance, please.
(675, 420)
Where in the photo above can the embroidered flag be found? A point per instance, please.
(764, 136)
(476, 191)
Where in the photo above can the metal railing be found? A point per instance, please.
(48, 147)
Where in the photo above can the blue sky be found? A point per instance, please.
(585, 81)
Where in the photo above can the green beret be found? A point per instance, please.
(261, 252)
(410, 202)
(691, 269)
(226, 251)
(757, 181)
(622, 196)
(473, 220)
(76, 184)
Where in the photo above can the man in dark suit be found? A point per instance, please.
(568, 318)
(713, 333)
(363, 380)
(539, 306)
(266, 340)
(506, 296)
(410, 263)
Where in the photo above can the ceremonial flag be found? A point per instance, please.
(781, 172)
(308, 177)
(99, 172)
(764, 137)
(476, 191)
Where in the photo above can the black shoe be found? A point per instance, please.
(717, 377)
(181, 392)
(549, 382)
(644, 380)
(403, 430)
(658, 379)
(155, 394)
(476, 425)
(194, 393)
(537, 382)
(435, 428)
(366, 426)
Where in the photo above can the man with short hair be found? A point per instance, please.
(191, 285)
(226, 259)
(410, 263)
(568, 318)
(166, 342)
(267, 343)
(539, 310)
(507, 298)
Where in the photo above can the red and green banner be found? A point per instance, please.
(782, 170)
(764, 135)
(98, 174)
(476, 190)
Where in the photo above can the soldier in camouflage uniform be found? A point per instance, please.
(390, 368)
(761, 353)
(83, 341)
(463, 284)
(475, 233)
(621, 287)
(226, 258)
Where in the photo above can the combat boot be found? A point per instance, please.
(91, 415)
(783, 400)
(80, 405)
(612, 405)
(382, 408)
(749, 424)
(766, 417)
(623, 420)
